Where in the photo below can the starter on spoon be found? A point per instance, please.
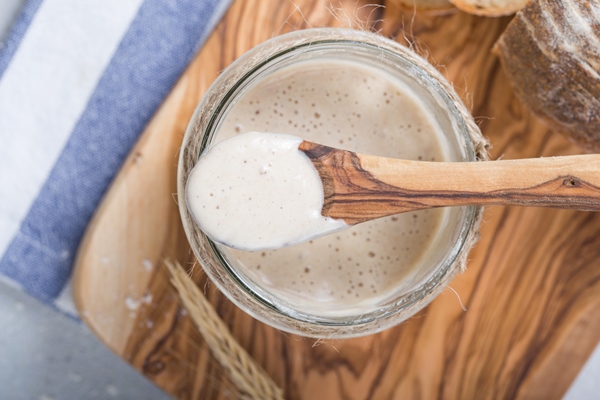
(257, 191)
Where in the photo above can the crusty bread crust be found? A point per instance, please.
(441, 6)
(490, 8)
(551, 54)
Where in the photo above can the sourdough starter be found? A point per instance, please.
(351, 106)
(257, 191)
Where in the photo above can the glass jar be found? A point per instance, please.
(462, 140)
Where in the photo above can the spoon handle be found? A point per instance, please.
(361, 187)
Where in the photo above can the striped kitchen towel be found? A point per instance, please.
(79, 81)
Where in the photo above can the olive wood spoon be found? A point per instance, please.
(361, 187)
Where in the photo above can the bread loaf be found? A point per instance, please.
(442, 6)
(551, 54)
(490, 8)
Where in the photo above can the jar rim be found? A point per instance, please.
(289, 319)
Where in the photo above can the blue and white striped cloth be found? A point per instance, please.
(79, 81)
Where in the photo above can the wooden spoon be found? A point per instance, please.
(360, 187)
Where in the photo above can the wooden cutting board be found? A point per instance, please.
(532, 289)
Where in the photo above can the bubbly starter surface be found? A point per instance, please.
(351, 106)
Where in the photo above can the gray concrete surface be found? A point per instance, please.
(45, 355)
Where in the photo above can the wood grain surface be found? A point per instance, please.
(361, 187)
(532, 288)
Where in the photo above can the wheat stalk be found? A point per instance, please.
(250, 379)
